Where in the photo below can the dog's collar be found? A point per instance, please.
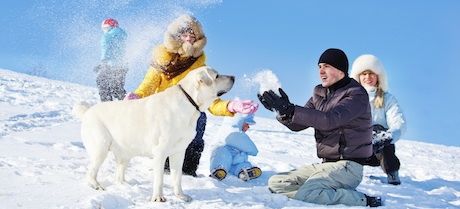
(190, 98)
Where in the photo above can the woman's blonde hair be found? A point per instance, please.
(378, 100)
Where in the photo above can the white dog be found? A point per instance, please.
(157, 126)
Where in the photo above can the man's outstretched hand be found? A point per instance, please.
(273, 102)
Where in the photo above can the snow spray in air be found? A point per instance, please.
(267, 80)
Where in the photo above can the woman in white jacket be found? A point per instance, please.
(387, 117)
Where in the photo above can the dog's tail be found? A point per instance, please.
(79, 109)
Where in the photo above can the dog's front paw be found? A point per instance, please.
(184, 197)
(95, 185)
(99, 188)
(158, 198)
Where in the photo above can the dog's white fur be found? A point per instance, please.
(157, 126)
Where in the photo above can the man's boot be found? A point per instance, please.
(393, 178)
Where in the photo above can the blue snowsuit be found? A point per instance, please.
(233, 156)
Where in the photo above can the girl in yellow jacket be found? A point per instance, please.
(180, 53)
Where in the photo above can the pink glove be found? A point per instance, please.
(244, 107)
(131, 96)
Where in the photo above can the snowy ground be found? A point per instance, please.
(43, 161)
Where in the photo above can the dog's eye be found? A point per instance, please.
(217, 76)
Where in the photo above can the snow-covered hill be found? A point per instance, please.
(43, 161)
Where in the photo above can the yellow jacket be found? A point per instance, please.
(155, 81)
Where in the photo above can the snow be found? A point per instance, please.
(43, 161)
(267, 80)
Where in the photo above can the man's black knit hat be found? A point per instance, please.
(335, 57)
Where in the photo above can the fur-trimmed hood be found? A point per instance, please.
(174, 44)
(370, 62)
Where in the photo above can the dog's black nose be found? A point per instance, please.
(232, 78)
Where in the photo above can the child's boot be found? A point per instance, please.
(219, 174)
(251, 173)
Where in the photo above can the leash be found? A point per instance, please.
(189, 98)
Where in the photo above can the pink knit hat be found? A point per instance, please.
(109, 22)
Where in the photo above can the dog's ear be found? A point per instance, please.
(206, 77)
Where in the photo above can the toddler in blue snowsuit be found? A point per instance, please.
(233, 156)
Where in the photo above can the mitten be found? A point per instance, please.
(242, 106)
(131, 96)
(380, 138)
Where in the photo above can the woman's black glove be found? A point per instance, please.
(380, 138)
(281, 104)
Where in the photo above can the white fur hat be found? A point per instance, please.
(372, 63)
(172, 40)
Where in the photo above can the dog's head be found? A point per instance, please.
(205, 85)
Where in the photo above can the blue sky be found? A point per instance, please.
(418, 43)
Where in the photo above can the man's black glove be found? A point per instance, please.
(281, 104)
(264, 102)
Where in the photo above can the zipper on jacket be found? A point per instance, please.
(342, 143)
(325, 100)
